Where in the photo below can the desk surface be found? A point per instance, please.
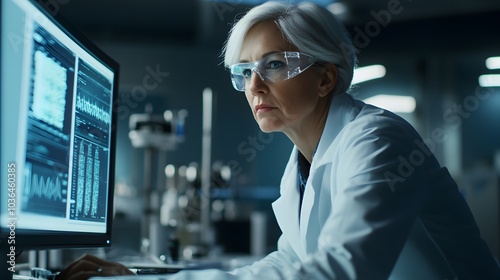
(151, 268)
(133, 277)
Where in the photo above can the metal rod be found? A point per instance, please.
(148, 163)
(205, 168)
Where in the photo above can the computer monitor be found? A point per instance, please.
(57, 132)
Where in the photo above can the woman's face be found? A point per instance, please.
(284, 105)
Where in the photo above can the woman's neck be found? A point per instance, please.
(307, 135)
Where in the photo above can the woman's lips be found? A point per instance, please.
(263, 108)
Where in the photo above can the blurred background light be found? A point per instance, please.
(493, 62)
(337, 8)
(363, 74)
(490, 80)
(393, 103)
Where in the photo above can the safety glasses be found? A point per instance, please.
(274, 67)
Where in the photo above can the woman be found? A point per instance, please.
(361, 196)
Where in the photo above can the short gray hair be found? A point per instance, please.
(311, 28)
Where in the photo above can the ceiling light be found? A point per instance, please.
(337, 8)
(363, 74)
(493, 62)
(491, 80)
(393, 103)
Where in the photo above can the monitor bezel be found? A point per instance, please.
(42, 240)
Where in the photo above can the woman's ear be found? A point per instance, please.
(328, 79)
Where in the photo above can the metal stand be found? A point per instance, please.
(148, 210)
(156, 135)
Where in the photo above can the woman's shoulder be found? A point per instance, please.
(375, 120)
(348, 114)
(374, 128)
(355, 126)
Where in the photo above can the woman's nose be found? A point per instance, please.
(256, 83)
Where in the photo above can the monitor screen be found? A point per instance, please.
(57, 132)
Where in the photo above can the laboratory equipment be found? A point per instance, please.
(155, 134)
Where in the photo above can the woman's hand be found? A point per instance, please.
(89, 266)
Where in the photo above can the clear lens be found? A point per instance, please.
(274, 67)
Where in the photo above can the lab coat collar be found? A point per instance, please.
(342, 110)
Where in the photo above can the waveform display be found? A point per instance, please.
(49, 90)
(46, 187)
(93, 109)
(44, 190)
(43, 186)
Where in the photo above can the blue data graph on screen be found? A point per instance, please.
(52, 81)
(45, 190)
(48, 126)
(88, 186)
(66, 125)
(93, 105)
(90, 147)
(93, 109)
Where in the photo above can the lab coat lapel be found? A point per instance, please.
(303, 240)
(342, 110)
(309, 223)
(286, 207)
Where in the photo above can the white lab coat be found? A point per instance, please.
(377, 205)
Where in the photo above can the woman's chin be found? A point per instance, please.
(266, 130)
(267, 127)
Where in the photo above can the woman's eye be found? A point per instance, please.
(274, 64)
(247, 73)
